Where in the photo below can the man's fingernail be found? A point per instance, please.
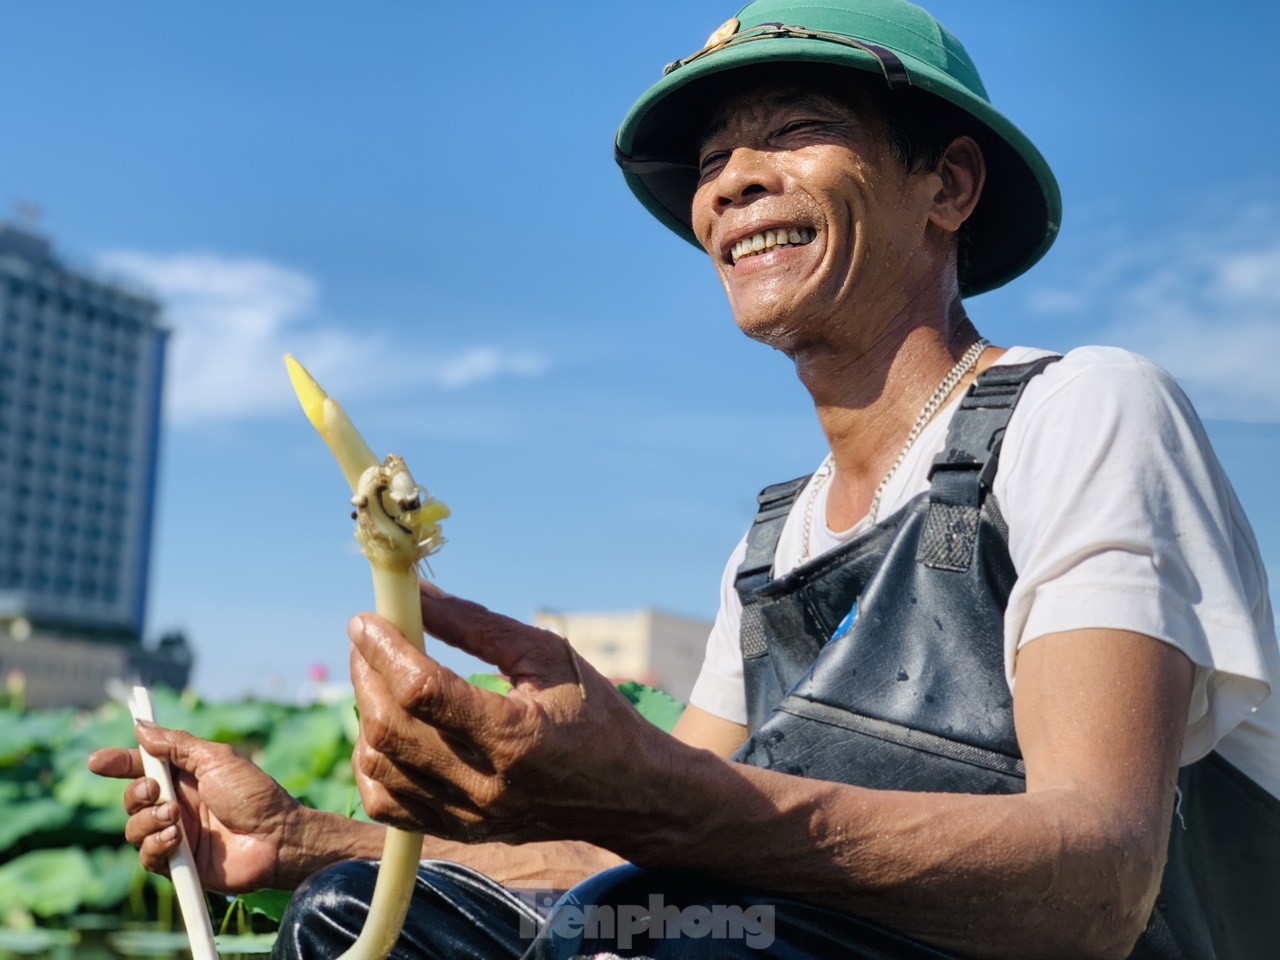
(431, 590)
(164, 813)
(168, 833)
(355, 627)
(144, 790)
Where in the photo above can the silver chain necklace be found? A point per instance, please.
(945, 388)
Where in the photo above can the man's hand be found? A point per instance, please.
(440, 755)
(245, 831)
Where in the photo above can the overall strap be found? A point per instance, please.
(762, 540)
(963, 474)
(977, 432)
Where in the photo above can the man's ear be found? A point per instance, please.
(962, 171)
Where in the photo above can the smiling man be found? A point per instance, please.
(993, 681)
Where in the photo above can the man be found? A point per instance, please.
(1064, 533)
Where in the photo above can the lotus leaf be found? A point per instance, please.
(659, 708)
(108, 820)
(304, 747)
(334, 794)
(109, 726)
(245, 944)
(21, 733)
(230, 722)
(252, 943)
(49, 883)
(76, 786)
(149, 943)
(490, 681)
(268, 903)
(114, 872)
(350, 714)
(35, 940)
(22, 818)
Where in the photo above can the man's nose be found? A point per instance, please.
(747, 174)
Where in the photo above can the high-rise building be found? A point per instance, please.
(661, 649)
(81, 367)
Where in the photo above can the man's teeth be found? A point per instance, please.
(770, 239)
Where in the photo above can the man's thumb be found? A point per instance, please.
(187, 753)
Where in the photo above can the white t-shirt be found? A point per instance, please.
(1120, 517)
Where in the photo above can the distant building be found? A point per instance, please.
(660, 649)
(81, 368)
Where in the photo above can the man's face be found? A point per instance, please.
(805, 211)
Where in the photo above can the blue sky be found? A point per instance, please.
(422, 205)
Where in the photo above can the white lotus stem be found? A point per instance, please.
(182, 866)
(397, 524)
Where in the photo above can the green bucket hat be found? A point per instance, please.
(1018, 216)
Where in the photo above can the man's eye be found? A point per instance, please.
(711, 164)
(803, 126)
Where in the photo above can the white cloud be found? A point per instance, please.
(1057, 300)
(233, 318)
(477, 364)
(1203, 301)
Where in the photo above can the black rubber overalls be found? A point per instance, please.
(912, 694)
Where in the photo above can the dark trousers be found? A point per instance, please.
(459, 914)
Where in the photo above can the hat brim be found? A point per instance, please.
(1012, 227)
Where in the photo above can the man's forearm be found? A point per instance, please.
(314, 840)
(549, 865)
(995, 875)
(1069, 868)
(319, 840)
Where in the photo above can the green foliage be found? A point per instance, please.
(115, 871)
(27, 817)
(21, 733)
(244, 944)
(490, 681)
(149, 943)
(659, 708)
(33, 940)
(248, 721)
(62, 850)
(46, 882)
(305, 747)
(267, 903)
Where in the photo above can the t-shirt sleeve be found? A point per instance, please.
(1120, 517)
(719, 689)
